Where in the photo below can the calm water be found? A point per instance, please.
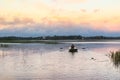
(49, 62)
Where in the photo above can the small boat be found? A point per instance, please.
(73, 49)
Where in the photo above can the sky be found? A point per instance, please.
(59, 17)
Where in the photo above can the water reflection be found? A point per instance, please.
(73, 53)
(115, 57)
(3, 53)
(55, 62)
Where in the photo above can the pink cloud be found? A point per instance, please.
(96, 10)
(83, 10)
(70, 1)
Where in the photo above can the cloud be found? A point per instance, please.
(42, 30)
(57, 24)
(15, 21)
(4, 23)
(83, 10)
(96, 10)
(70, 1)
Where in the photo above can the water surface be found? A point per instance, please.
(54, 62)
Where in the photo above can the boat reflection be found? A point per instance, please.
(73, 53)
(115, 57)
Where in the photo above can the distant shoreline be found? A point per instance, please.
(58, 41)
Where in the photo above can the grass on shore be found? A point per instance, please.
(115, 57)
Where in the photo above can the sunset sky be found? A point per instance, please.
(59, 17)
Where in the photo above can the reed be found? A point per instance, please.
(4, 45)
(115, 57)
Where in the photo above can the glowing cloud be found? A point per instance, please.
(103, 15)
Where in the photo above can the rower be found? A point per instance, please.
(72, 46)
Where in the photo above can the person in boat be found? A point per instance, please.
(72, 46)
(73, 49)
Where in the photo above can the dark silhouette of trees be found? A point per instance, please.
(73, 37)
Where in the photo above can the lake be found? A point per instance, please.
(35, 61)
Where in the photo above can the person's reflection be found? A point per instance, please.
(115, 57)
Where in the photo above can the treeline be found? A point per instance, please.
(63, 37)
(74, 37)
(20, 38)
(101, 37)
